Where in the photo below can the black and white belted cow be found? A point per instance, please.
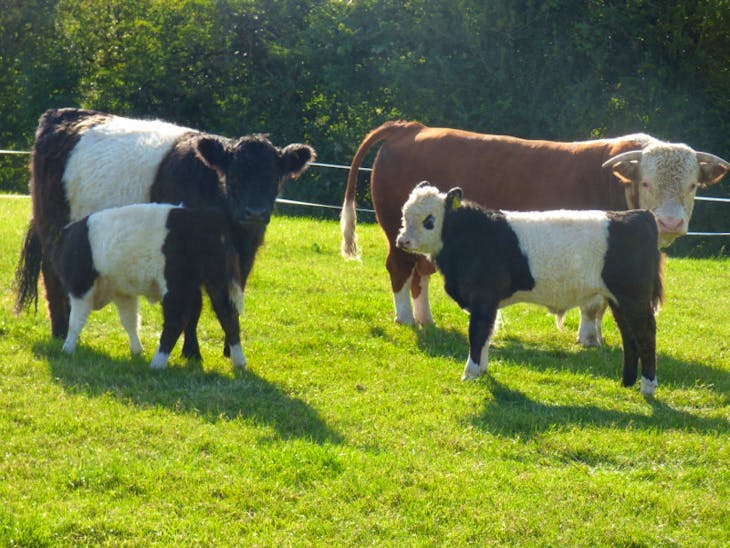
(560, 259)
(160, 251)
(84, 161)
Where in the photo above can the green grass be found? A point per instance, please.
(350, 430)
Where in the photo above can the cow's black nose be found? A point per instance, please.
(256, 215)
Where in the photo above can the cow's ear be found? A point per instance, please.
(212, 152)
(295, 159)
(712, 168)
(453, 198)
(711, 173)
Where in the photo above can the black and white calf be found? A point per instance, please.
(162, 252)
(85, 161)
(560, 259)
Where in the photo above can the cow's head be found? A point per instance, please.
(423, 219)
(253, 172)
(664, 177)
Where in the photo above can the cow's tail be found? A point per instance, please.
(28, 271)
(348, 216)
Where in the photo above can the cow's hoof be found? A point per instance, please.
(135, 349)
(237, 356)
(472, 371)
(159, 360)
(648, 386)
(68, 347)
(590, 341)
(409, 321)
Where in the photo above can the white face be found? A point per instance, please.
(422, 221)
(668, 178)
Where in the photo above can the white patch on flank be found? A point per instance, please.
(237, 356)
(115, 163)
(648, 387)
(126, 247)
(565, 251)
(403, 308)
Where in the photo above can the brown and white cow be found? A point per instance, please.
(501, 172)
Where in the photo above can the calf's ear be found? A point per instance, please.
(294, 159)
(212, 152)
(453, 198)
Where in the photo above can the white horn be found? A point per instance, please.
(707, 158)
(631, 156)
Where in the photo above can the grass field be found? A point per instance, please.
(350, 430)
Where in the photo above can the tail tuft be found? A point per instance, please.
(348, 220)
(28, 271)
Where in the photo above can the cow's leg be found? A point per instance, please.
(481, 327)
(400, 267)
(643, 324)
(191, 346)
(622, 315)
(175, 310)
(128, 310)
(227, 315)
(591, 317)
(80, 310)
(419, 291)
(58, 305)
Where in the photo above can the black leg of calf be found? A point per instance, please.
(59, 308)
(191, 348)
(228, 317)
(645, 326)
(628, 340)
(481, 325)
(174, 313)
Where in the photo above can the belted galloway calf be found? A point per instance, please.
(163, 252)
(84, 161)
(560, 259)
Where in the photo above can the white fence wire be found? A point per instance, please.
(364, 210)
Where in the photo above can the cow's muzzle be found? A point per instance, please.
(252, 215)
(403, 243)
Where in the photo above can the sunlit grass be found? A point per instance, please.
(350, 430)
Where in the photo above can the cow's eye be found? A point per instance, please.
(429, 222)
(646, 184)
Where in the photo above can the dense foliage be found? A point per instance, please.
(327, 71)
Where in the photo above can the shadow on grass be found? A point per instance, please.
(511, 413)
(605, 362)
(190, 389)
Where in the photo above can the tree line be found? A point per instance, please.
(325, 72)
